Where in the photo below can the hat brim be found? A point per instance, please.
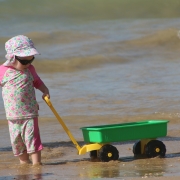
(26, 52)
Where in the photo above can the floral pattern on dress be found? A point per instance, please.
(19, 95)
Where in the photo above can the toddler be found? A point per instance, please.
(18, 79)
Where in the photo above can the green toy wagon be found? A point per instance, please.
(145, 132)
(99, 138)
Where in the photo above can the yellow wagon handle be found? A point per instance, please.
(48, 102)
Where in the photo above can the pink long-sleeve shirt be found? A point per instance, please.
(18, 92)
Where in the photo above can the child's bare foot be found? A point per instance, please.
(24, 158)
(36, 158)
(37, 164)
(25, 162)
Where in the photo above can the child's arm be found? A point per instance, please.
(38, 83)
(44, 90)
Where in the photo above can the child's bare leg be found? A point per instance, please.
(24, 158)
(36, 158)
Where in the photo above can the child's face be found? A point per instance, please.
(22, 63)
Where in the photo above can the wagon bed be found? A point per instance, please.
(147, 129)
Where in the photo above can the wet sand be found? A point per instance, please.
(60, 159)
(63, 163)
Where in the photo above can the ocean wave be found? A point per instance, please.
(72, 64)
(75, 64)
(61, 37)
(167, 38)
(56, 37)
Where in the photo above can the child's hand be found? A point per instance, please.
(46, 94)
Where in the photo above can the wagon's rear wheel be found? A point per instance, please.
(108, 153)
(137, 148)
(93, 154)
(155, 148)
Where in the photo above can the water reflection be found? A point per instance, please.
(97, 170)
(28, 177)
(24, 172)
(28, 172)
(143, 168)
(154, 167)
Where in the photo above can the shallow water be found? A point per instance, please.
(103, 63)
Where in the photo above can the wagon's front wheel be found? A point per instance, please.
(155, 148)
(108, 153)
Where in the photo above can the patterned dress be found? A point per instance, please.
(18, 92)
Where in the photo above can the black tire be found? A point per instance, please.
(108, 153)
(155, 148)
(93, 154)
(137, 148)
